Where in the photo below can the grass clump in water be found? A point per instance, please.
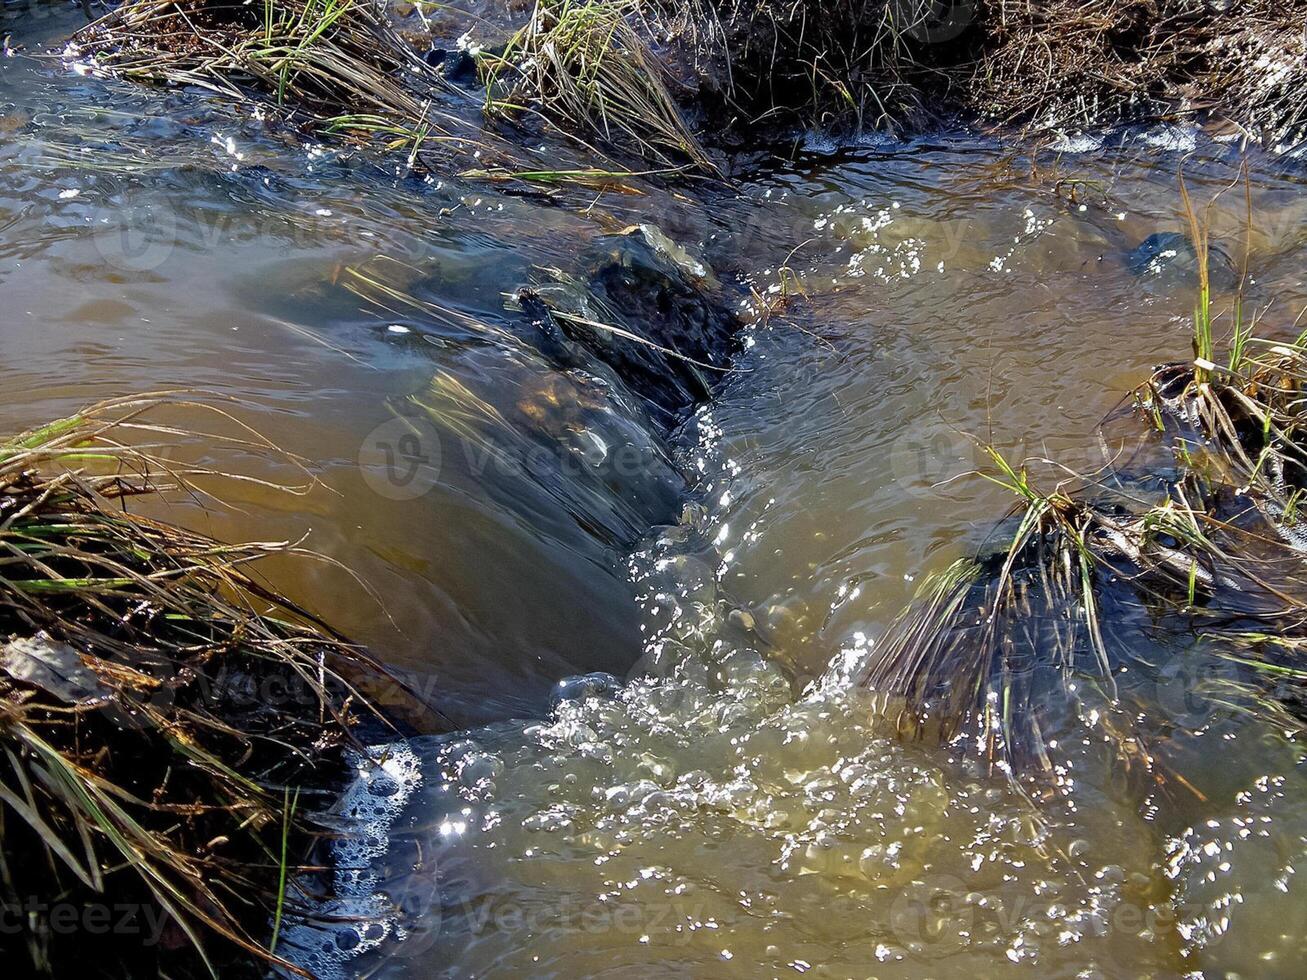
(1192, 546)
(581, 65)
(338, 62)
(159, 708)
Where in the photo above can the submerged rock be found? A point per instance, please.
(649, 309)
(559, 442)
(596, 685)
(689, 265)
(1171, 259)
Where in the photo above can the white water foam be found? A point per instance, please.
(357, 917)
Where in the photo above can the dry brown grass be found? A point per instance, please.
(1078, 63)
(336, 65)
(1043, 65)
(582, 66)
(636, 77)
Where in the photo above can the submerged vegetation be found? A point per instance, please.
(160, 709)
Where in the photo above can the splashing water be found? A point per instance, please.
(717, 810)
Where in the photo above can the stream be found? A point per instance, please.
(631, 617)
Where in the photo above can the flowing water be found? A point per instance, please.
(700, 795)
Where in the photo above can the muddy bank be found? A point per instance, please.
(1045, 66)
(170, 724)
(618, 87)
(741, 70)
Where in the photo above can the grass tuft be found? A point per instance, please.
(581, 65)
(140, 761)
(1003, 649)
(336, 64)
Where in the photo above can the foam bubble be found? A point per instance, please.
(357, 917)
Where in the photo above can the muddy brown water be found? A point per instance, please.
(714, 813)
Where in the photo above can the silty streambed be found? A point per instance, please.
(713, 809)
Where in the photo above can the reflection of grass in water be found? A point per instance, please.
(607, 181)
(131, 769)
(105, 161)
(461, 412)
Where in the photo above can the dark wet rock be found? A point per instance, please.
(1171, 259)
(674, 297)
(564, 443)
(455, 64)
(649, 309)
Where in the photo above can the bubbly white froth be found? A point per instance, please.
(358, 917)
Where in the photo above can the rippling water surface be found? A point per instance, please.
(701, 797)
